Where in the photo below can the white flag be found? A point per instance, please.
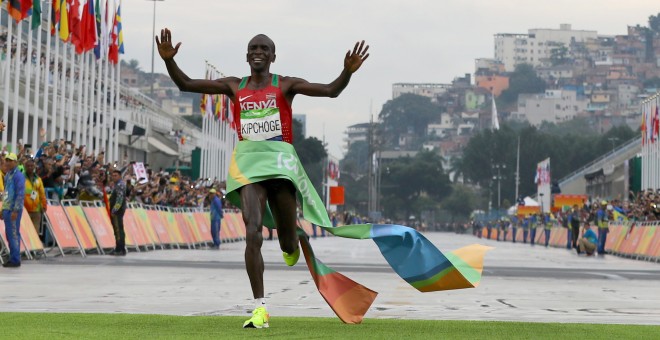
(496, 122)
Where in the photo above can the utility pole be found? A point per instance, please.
(153, 46)
(517, 169)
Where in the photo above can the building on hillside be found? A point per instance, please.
(535, 47)
(553, 106)
(179, 106)
(356, 133)
(129, 77)
(488, 66)
(430, 90)
(555, 74)
(475, 98)
(494, 83)
(442, 129)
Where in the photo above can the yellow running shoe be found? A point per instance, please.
(291, 259)
(259, 319)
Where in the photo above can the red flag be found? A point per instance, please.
(74, 25)
(656, 124)
(113, 51)
(18, 9)
(87, 28)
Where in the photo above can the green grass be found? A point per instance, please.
(138, 326)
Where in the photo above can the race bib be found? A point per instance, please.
(261, 124)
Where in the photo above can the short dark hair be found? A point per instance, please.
(116, 172)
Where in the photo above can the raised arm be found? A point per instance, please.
(352, 62)
(167, 51)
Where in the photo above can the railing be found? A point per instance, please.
(632, 143)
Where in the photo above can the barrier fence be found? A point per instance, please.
(85, 228)
(639, 240)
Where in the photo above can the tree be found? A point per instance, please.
(408, 183)
(654, 23)
(523, 80)
(311, 153)
(460, 203)
(559, 55)
(408, 113)
(196, 119)
(567, 153)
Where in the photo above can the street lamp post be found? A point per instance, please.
(499, 178)
(613, 140)
(153, 46)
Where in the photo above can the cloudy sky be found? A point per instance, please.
(411, 41)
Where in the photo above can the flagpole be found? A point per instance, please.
(111, 114)
(69, 110)
(116, 109)
(5, 107)
(56, 81)
(91, 107)
(202, 164)
(517, 169)
(47, 78)
(83, 70)
(104, 104)
(17, 79)
(28, 83)
(97, 105)
(37, 88)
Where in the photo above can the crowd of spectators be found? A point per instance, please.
(68, 171)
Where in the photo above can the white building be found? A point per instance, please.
(553, 106)
(421, 89)
(535, 47)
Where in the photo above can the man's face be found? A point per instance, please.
(29, 167)
(261, 53)
(116, 177)
(10, 164)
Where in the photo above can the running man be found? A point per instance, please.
(262, 112)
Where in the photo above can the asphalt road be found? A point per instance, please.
(520, 283)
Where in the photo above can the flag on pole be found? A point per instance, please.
(113, 51)
(64, 21)
(643, 128)
(36, 14)
(120, 34)
(87, 28)
(495, 120)
(74, 25)
(54, 16)
(656, 124)
(98, 49)
(18, 9)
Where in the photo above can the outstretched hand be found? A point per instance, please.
(354, 60)
(165, 48)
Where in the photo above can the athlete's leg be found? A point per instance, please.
(253, 202)
(282, 202)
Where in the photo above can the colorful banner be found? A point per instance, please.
(99, 222)
(562, 202)
(409, 253)
(542, 180)
(81, 227)
(61, 228)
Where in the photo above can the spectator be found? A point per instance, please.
(35, 195)
(118, 204)
(602, 221)
(216, 217)
(574, 223)
(12, 208)
(588, 242)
